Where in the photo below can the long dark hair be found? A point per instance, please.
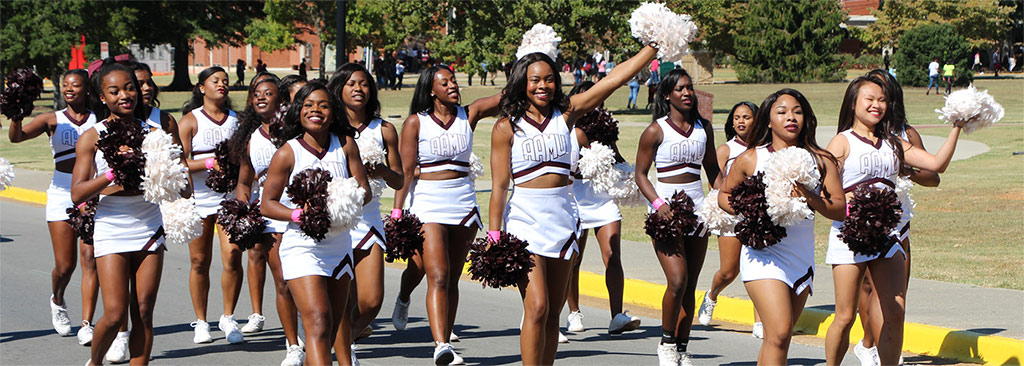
(259, 78)
(730, 130)
(286, 84)
(248, 121)
(513, 100)
(884, 129)
(339, 122)
(761, 132)
(96, 89)
(894, 99)
(341, 77)
(662, 107)
(85, 76)
(196, 101)
(422, 101)
(141, 66)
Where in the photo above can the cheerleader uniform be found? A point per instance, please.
(445, 146)
(867, 163)
(153, 120)
(736, 147)
(300, 255)
(791, 260)
(261, 150)
(125, 224)
(595, 209)
(681, 152)
(546, 218)
(209, 133)
(370, 229)
(902, 230)
(62, 143)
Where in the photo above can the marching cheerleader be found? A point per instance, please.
(871, 153)
(737, 128)
(208, 121)
(318, 272)
(678, 142)
(356, 90)
(530, 145)
(64, 127)
(436, 143)
(778, 278)
(150, 103)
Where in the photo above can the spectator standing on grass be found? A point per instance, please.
(995, 62)
(260, 66)
(933, 76)
(977, 61)
(885, 59)
(947, 75)
(577, 73)
(302, 68)
(634, 89)
(240, 71)
(602, 69)
(399, 74)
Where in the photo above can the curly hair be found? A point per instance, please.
(514, 102)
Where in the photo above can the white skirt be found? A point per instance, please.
(791, 260)
(448, 202)
(370, 229)
(273, 226)
(902, 230)
(595, 209)
(839, 252)
(694, 190)
(302, 256)
(207, 201)
(127, 224)
(58, 197)
(546, 219)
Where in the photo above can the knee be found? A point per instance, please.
(777, 338)
(676, 287)
(257, 257)
(200, 263)
(438, 278)
(844, 317)
(893, 312)
(535, 311)
(728, 274)
(317, 323)
(146, 314)
(64, 268)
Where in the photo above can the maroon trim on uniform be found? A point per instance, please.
(905, 228)
(555, 164)
(362, 127)
(152, 239)
(686, 133)
(264, 133)
(568, 243)
(539, 126)
(473, 213)
(347, 261)
(444, 162)
(444, 125)
(218, 123)
(877, 144)
(312, 150)
(770, 148)
(677, 167)
(65, 152)
(739, 141)
(807, 276)
(75, 121)
(869, 181)
(261, 174)
(369, 234)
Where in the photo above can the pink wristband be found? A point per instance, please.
(80, 205)
(396, 214)
(494, 236)
(209, 163)
(109, 175)
(297, 215)
(847, 209)
(657, 203)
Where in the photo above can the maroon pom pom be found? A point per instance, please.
(500, 264)
(225, 179)
(308, 190)
(242, 222)
(755, 229)
(599, 126)
(83, 222)
(404, 237)
(121, 144)
(874, 213)
(682, 222)
(23, 88)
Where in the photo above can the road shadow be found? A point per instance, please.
(24, 334)
(792, 361)
(963, 344)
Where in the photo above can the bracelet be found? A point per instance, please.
(80, 205)
(210, 162)
(109, 175)
(847, 209)
(297, 215)
(657, 203)
(493, 236)
(396, 214)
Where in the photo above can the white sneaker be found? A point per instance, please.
(85, 333)
(202, 332)
(400, 316)
(456, 359)
(255, 323)
(229, 326)
(575, 322)
(707, 309)
(355, 361)
(294, 357)
(562, 338)
(758, 330)
(866, 356)
(623, 322)
(59, 318)
(667, 355)
(443, 354)
(118, 351)
(685, 359)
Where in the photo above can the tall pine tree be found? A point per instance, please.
(790, 41)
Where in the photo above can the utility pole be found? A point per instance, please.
(340, 13)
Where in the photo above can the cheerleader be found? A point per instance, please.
(678, 142)
(737, 128)
(778, 278)
(435, 147)
(208, 120)
(288, 86)
(155, 117)
(866, 135)
(599, 212)
(318, 272)
(64, 127)
(128, 240)
(530, 145)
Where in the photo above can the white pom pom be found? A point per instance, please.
(625, 191)
(541, 38)
(377, 186)
(596, 161)
(371, 151)
(476, 167)
(345, 204)
(164, 176)
(182, 223)
(6, 174)
(978, 108)
(670, 32)
(903, 186)
(783, 170)
(597, 164)
(717, 220)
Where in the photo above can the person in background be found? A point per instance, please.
(933, 76)
(399, 74)
(302, 68)
(995, 62)
(885, 59)
(948, 75)
(240, 72)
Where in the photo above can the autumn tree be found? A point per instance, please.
(982, 23)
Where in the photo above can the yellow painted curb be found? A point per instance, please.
(24, 195)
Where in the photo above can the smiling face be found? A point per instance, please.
(445, 88)
(786, 118)
(145, 87)
(871, 105)
(119, 93)
(356, 91)
(315, 115)
(215, 87)
(74, 89)
(682, 97)
(266, 99)
(540, 84)
(742, 118)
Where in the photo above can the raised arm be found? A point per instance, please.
(501, 171)
(482, 108)
(925, 178)
(584, 102)
(45, 122)
(919, 158)
(408, 148)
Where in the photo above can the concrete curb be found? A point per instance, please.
(962, 345)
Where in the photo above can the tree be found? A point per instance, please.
(716, 20)
(982, 23)
(386, 24)
(790, 41)
(921, 44)
(310, 17)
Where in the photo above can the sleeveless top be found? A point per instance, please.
(374, 130)
(65, 135)
(154, 119)
(868, 163)
(736, 147)
(445, 145)
(541, 148)
(680, 151)
(209, 132)
(261, 150)
(331, 159)
(98, 159)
